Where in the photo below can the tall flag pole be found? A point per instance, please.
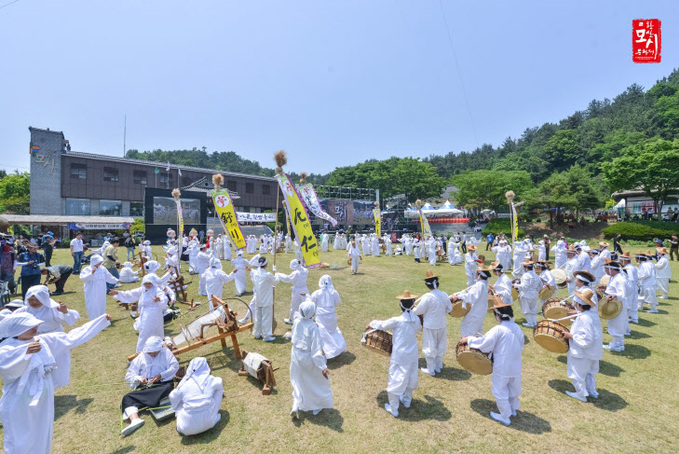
(377, 214)
(424, 223)
(512, 214)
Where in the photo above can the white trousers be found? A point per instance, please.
(263, 321)
(662, 284)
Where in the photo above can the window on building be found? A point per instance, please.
(249, 188)
(232, 185)
(78, 207)
(139, 177)
(110, 174)
(110, 208)
(79, 171)
(165, 179)
(266, 189)
(136, 209)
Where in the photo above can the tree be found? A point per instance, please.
(650, 166)
(15, 193)
(486, 188)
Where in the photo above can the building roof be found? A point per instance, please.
(162, 165)
(40, 219)
(205, 185)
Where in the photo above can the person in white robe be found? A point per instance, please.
(152, 267)
(519, 256)
(309, 374)
(633, 293)
(365, 245)
(503, 254)
(27, 366)
(475, 297)
(127, 274)
(325, 242)
(95, 277)
(529, 287)
(171, 262)
(503, 285)
(585, 346)
(542, 251)
(226, 247)
(254, 267)
(297, 278)
(197, 399)
(145, 250)
(152, 305)
(326, 300)
(617, 289)
(407, 244)
(546, 278)
(337, 244)
(454, 256)
(434, 308)
(388, 246)
(417, 249)
(52, 314)
(355, 256)
(597, 262)
(403, 370)
(263, 283)
(505, 343)
(193, 249)
(202, 262)
(570, 268)
(603, 251)
(239, 265)
(298, 251)
(263, 242)
(559, 250)
(215, 279)
(584, 262)
(431, 251)
(647, 282)
(663, 273)
(219, 247)
(151, 376)
(471, 261)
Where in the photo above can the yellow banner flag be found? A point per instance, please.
(424, 224)
(299, 218)
(378, 221)
(180, 219)
(227, 215)
(515, 224)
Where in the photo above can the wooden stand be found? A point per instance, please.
(264, 374)
(177, 286)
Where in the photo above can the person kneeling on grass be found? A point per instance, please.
(586, 346)
(150, 374)
(505, 343)
(403, 379)
(197, 399)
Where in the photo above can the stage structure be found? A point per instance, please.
(351, 207)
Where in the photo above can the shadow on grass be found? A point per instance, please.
(428, 408)
(523, 421)
(64, 404)
(644, 322)
(634, 351)
(638, 335)
(606, 401)
(447, 373)
(605, 368)
(344, 359)
(208, 435)
(125, 450)
(328, 417)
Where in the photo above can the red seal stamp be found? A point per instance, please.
(646, 41)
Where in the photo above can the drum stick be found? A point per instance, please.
(564, 318)
(366, 335)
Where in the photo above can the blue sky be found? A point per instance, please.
(332, 83)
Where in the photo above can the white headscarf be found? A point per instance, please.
(96, 259)
(127, 265)
(152, 266)
(15, 325)
(215, 263)
(254, 261)
(325, 283)
(295, 264)
(307, 309)
(42, 293)
(198, 370)
(153, 344)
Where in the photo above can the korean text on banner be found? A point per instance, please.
(299, 218)
(377, 214)
(227, 216)
(180, 218)
(311, 201)
(515, 224)
(424, 223)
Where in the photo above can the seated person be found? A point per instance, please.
(197, 399)
(150, 374)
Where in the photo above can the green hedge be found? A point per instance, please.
(501, 225)
(642, 230)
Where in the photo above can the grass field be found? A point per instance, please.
(637, 410)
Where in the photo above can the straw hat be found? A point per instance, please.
(585, 274)
(662, 250)
(625, 256)
(471, 247)
(543, 263)
(640, 254)
(527, 263)
(612, 264)
(484, 269)
(497, 306)
(496, 266)
(586, 296)
(406, 296)
(429, 275)
(603, 244)
(648, 254)
(571, 249)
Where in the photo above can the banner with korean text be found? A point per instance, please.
(313, 204)
(180, 218)
(299, 218)
(377, 214)
(227, 216)
(424, 224)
